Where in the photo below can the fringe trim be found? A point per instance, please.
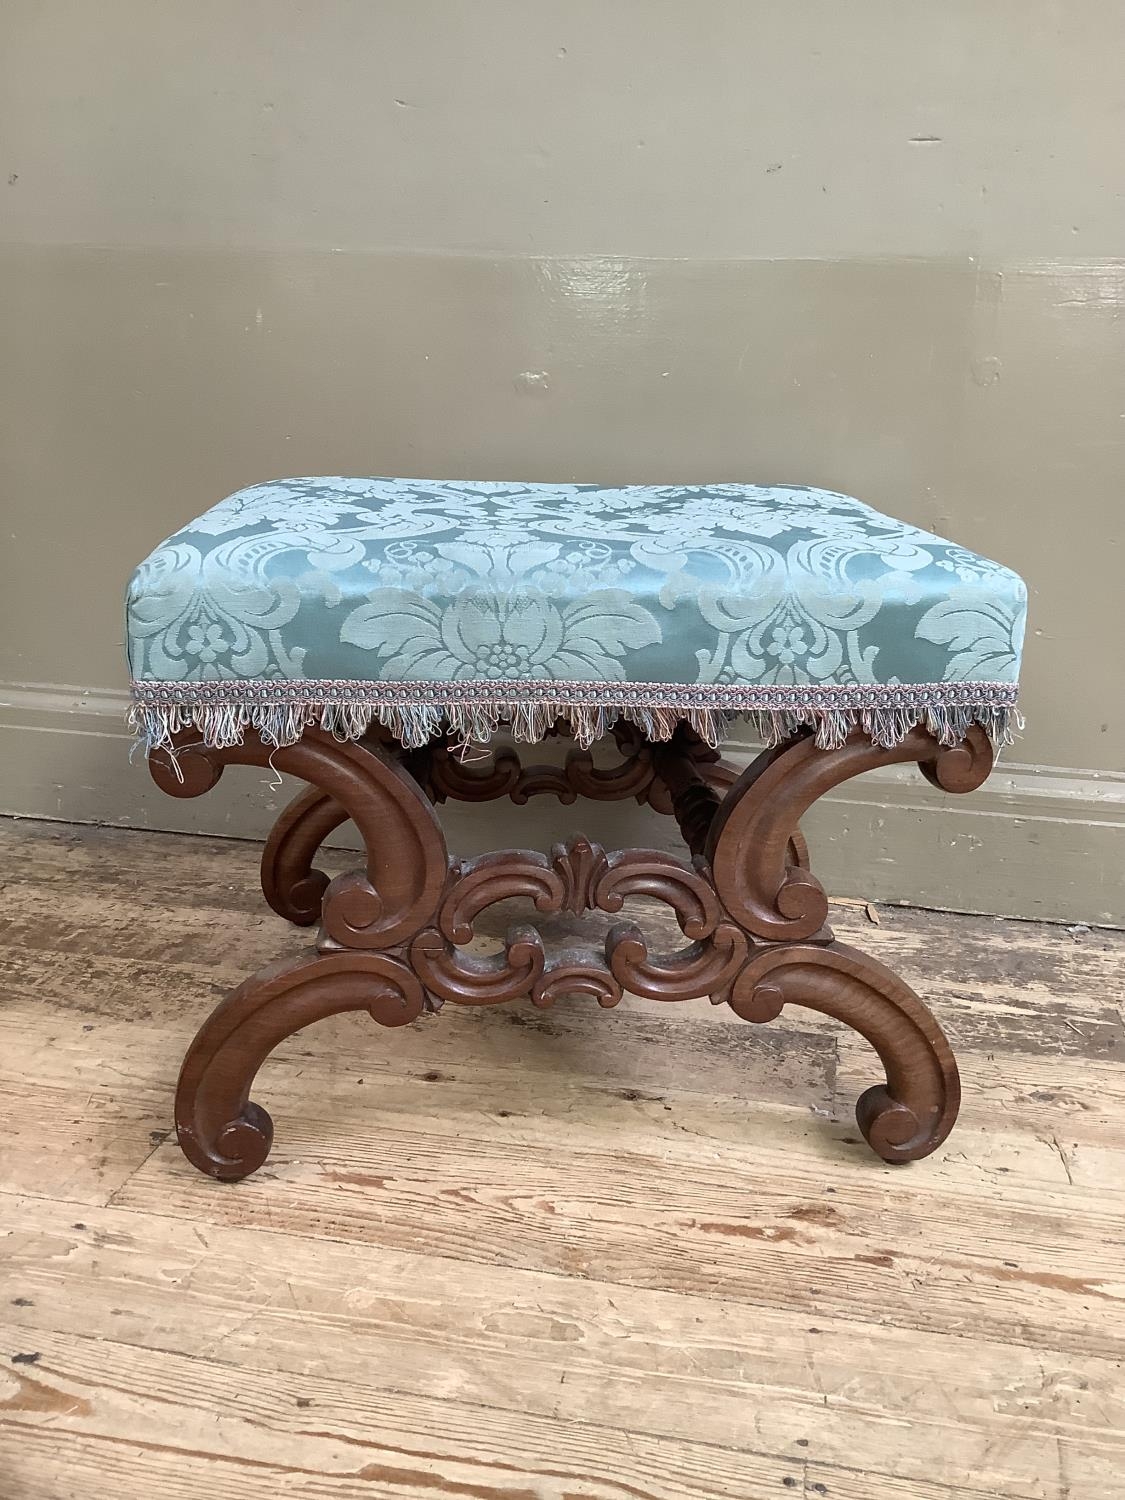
(472, 712)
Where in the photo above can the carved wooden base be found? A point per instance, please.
(393, 935)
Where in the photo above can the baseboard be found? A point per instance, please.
(1042, 842)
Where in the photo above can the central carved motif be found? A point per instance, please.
(579, 876)
(580, 865)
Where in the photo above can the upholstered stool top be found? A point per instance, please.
(431, 605)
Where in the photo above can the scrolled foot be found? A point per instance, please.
(238, 1149)
(910, 1114)
(891, 1128)
(220, 1129)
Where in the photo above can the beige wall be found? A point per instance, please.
(878, 246)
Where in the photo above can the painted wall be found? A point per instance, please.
(879, 247)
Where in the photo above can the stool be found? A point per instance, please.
(360, 634)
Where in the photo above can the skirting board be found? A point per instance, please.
(1036, 841)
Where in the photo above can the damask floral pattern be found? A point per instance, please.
(728, 589)
(490, 636)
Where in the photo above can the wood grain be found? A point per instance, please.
(507, 1253)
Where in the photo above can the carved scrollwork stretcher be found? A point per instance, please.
(394, 935)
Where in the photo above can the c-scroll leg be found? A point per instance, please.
(720, 775)
(757, 859)
(367, 917)
(913, 1112)
(220, 1129)
(289, 882)
(406, 859)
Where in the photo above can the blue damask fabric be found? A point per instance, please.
(424, 603)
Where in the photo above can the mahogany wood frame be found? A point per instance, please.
(392, 934)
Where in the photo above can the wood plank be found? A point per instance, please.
(690, 1366)
(987, 997)
(673, 1220)
(64, 1023)
(169, 989)
(96, 1402)
(79, 1145)
(72, 857)
(64, 1020)
(105, 1411)
(976, 953)
(771, 1101)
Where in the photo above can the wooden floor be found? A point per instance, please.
(522, 1255)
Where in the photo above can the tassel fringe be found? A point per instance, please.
(161, 711)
